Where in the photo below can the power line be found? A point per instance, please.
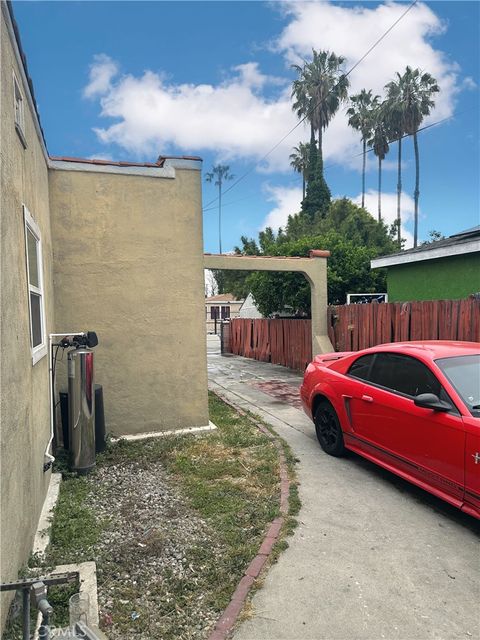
(357, 155)
(275, 146)
(405, 135)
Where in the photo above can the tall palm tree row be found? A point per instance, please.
(409, 99)
(318, 93)
(363, 106)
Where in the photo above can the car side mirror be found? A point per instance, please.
(431, 401)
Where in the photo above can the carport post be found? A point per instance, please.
(317, 277)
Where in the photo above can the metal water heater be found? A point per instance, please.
(81, 406)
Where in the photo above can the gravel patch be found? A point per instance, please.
(145, 570)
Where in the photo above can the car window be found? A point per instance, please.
(361, 367)
(464, 374)
(404, 374)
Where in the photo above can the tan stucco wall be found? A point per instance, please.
(24, 428)
(127, 250)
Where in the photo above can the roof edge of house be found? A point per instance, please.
(21, 59)
(429, 253)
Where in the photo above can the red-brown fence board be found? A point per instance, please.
(285, 342)
(356, 326)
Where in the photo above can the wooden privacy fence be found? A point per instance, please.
(358, 326)
(286, 342)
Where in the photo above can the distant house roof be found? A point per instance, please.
(223, 297)
(458, 244)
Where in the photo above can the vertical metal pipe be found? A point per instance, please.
(43, 631)
(26, 613)
(81, 409)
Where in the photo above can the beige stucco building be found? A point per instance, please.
(90, 245)
(24, 392)
(218, 308)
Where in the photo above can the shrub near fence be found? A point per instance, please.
(358, 326)
(285, 342)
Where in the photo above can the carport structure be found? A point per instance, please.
(314, 269)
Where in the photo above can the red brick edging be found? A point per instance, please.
(227, 620)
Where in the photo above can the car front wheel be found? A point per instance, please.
(328, 429)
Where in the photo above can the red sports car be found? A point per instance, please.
(413, 408)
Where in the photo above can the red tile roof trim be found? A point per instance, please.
(313, 253)
(318, 253)
(152, 165)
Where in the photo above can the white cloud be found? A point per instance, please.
(231, 119)
(102, 71)
(389, 210)
(236, 119)
(100, 156)
(287, 202)
(469, 83)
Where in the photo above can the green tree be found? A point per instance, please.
(219, 174)
(360, 115)
(318, 92)
(380, 146)
(299, 162)
(414, 91)
(352, 235)
(434, 236)
(235, 282)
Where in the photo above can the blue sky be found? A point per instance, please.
(132, 80)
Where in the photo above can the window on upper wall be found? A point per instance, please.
(19, 110)
(225, 313)
(36, 306)
(214, 313)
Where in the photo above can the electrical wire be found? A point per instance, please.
(358, 155)
(310, 111)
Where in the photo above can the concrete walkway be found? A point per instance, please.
(373, 556)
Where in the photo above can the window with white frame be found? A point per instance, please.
(33, 247)
(19, 108)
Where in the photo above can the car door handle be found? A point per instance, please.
(367, 398)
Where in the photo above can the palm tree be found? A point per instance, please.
(379, 144)
(360, 119)
(395, 116)
(318, 91)
(412, 94)
(299, 161)
(219, 174)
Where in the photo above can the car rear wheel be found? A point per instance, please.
(328, 429)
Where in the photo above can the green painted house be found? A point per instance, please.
(447, 269)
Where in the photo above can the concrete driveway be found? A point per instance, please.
(373, 556)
